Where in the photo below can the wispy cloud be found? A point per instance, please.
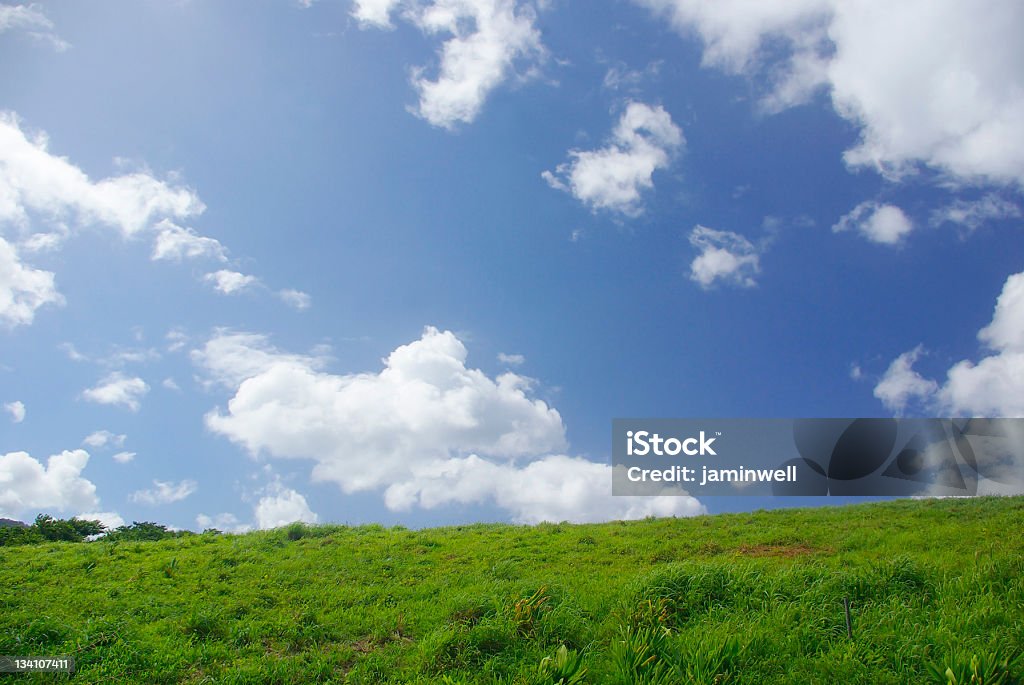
(164, 492)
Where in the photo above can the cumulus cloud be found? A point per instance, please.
(35, 183)
(43, 197)
(102, 438)
(376, 13)
(225, 522)
(737, 35)
(901, 383)
(724, 256)
(175, 243)
(424, 425)
(124, 457)
(110, 519)
(554, 488)
(230, 282)
(928, 82)
(35, 24)
(16, 409)
(164, 492)
(23, 289)
(26, 484)
(487, 39)
(281, 506)
(886, 224)
(994, 386)
(971, 214)
(119, 390)
(230, 358)
(296, 299)
(364, 430)
(511, 359)
(614, 177)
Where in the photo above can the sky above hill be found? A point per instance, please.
(404, 261)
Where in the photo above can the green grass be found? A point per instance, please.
(936, 586)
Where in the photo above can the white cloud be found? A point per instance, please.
(375, 13)
(164, 492)
(487, 39)
(16, 409)
(511, 359)
(365, 430)
(620, 77)
(45, 242)
(739, 36)
(295, 299)
(735, 32)
(1006, 332)
(225, 522)
(23, 289)
(72, 352)
(724, 256)
(110, 519)
(40, 190)
(176, 339)
(102, 438)
(230, 282)
(170, 384)
(900, 384)
(427, 430)
(175, 243)
(554, 488)
(613, 177)
(280, 507)
(26, 484)
(22, 16)
(971, 214)
(928, 82)
(994, 386)
(119, 390)
(37, 184)
(120, 356)
(886, 224)
(232, 358)
(124, 457)
(31, 19)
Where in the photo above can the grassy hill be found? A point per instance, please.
(738, 598)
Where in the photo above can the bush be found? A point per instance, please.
(48, 529)
(146, 530)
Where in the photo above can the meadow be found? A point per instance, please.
(936, 593)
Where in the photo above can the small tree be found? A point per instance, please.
(20, 535)
(145, 530)
(68, 530)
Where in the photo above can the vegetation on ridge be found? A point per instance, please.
(936, 590)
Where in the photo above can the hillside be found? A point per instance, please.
(739, 598)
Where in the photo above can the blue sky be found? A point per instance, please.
(404, 261)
